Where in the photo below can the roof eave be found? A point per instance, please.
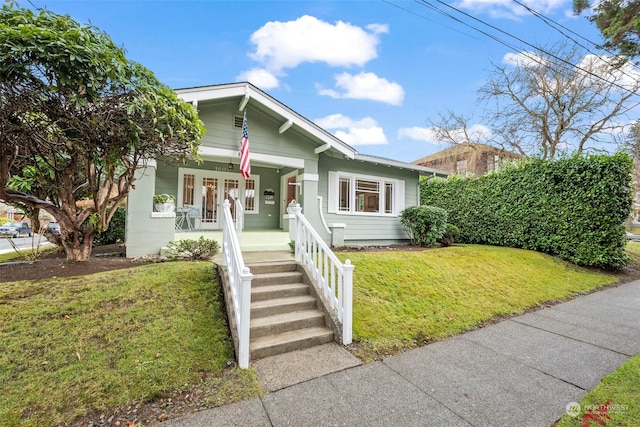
(248, 92)
(424, 171)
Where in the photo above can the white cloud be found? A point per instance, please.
(365, 86)
(280, 45)
(476, 133)
(508, 8)
(419, 134)
(524, 59)
(259, 77)
(354, 132)
(623, 76)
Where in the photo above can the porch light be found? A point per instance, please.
(230, 166)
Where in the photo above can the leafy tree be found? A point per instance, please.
(544, 103)
(77, 118)
(619, 23)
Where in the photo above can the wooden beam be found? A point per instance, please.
(286, 125)
(322, 148)
(244, 102)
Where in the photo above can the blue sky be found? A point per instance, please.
(372, 72)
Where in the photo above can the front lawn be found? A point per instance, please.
(101, 343)
(96, 343)
(403, 299)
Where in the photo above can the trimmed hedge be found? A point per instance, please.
(574, 207)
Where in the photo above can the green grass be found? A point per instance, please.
(403, 299)
(72, 346)
(94, 343)
(618, 392)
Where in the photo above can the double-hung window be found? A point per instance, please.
(365, 195)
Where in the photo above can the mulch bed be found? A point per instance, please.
(53, 263)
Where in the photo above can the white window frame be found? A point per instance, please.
(333, 191)
(200, 173)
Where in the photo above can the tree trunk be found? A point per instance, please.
(78, 251)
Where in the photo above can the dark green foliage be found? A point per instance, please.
(201, 249)
(115, 232)
(574, 207)
(450, 236)
(424, 224)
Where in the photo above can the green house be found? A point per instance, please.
(348, 197)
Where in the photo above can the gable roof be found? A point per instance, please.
(245, 92)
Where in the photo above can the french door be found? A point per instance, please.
(204, 192)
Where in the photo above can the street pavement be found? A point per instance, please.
(523, 371)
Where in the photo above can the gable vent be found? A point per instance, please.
(237, 121)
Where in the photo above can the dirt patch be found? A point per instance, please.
(53, 263)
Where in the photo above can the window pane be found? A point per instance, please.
(367, 196)
(461, 167)
(344, 195)
(249, 195)
(388, 197)
(188, 186)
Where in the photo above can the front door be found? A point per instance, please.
(215, 190)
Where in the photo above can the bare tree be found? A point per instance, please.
(555, 100)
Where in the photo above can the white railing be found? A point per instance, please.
(239, 218)
(334, 279)
(239, 283)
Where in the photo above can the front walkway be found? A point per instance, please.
(519, 372)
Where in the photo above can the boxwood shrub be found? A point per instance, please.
(424, 224)
(572, 207)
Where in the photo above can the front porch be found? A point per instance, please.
(251, 241)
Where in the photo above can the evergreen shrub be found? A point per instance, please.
(572, 207)
(424, 224)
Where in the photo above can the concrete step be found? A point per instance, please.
(289, 341)
(285, 322)
(267, 292)
(283, 277)
(281, 305)
(272, 267)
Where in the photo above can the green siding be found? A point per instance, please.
(263, 133)
(368, 229)
(268, 215)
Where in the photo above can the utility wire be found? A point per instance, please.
(553, 24)
(549, 54)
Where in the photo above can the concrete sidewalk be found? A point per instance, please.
(519, 372)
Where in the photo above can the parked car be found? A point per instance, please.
(54, 228)
(15, 229)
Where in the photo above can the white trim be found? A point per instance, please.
(220, 175)
(282, 161)
(286, 125)
(324, 223)
(322, 148)
(163, 214)
(309, 177)
(333, 189)
(234, 90)
(244, 102)
(283, 193)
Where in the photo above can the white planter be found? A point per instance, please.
(164, 207)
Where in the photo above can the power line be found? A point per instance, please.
(553, 24)
(496, 38)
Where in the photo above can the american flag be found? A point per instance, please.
(245, 166)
